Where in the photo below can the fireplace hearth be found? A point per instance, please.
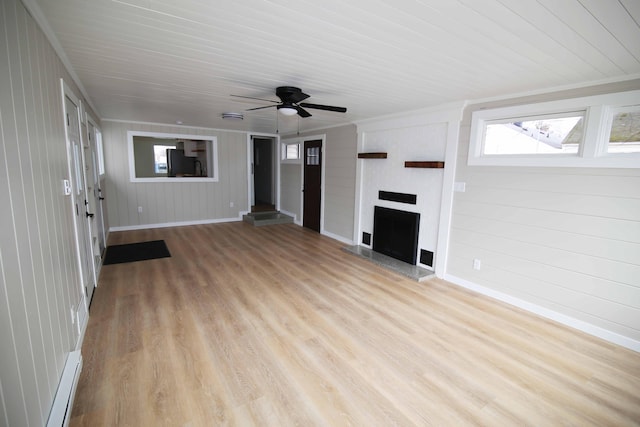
(395, 233)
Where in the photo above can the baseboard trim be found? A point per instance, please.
(173, 224)
(337, 237)
(296, 221)
(580, 325)
(292, 215)
(60, 414)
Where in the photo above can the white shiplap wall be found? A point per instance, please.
(39, 280)
(422, 140)
(174, 203)
(564, 240)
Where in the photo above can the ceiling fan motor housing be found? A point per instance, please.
(290, 94)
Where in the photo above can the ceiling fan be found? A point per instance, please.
(291, 102)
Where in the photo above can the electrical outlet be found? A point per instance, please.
(459, 187)
(231, 204)
(477, 264)
(139, 209)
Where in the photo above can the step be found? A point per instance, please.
(267, 218)
(411, 271)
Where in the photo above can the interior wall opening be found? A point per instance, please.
(264, 174)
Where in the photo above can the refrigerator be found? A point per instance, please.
(178, 164)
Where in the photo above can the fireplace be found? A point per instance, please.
(395, 233)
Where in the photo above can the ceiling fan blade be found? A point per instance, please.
(302, 112)
(251, 97)
(324, 107)
(260, 108)
(297, 97)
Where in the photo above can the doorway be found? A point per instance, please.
(312, 185)
(79, 198)
(263, 167)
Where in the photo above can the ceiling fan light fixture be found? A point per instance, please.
(233, 116)
(288, 110)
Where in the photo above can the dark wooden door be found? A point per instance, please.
(312, 182)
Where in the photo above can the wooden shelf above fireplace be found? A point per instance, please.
(372, 155)
(424, 165)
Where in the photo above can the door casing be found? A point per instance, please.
(276, 168)
(72, 109)
(264, 170)
(321, 138)
(94, 195)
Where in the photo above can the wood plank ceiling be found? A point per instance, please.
(163, 61)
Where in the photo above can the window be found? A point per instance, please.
(160, 157)
(624, 132)
(293, 151)
(596, 131)
(551, 134)
(99, 148)
(313, 156)
(290, 152)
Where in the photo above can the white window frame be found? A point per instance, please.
(283, 153)
(599, 112)
(97, 134)
(100, 152)
(212, 157)
(611, 113)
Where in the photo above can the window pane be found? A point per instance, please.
(551, 135)
(313, 156)
(625, 132)
(292, 152)
(160, 158)
(101, 170)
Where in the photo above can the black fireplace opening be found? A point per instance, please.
(395, 233)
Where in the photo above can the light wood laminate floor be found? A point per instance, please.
(277, 326)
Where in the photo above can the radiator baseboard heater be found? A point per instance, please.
(60, 414)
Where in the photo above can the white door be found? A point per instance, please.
(94, 194)
(98, 167)
(78, 195)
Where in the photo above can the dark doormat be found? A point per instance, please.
(117, 254)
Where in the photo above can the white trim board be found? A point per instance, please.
(212, 156)
(446, 205)
(292, 215)
(337, 237)
(555, 89)
(138, 122)
(547, 313)
(174, 224)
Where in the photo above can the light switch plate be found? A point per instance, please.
(66, 186)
